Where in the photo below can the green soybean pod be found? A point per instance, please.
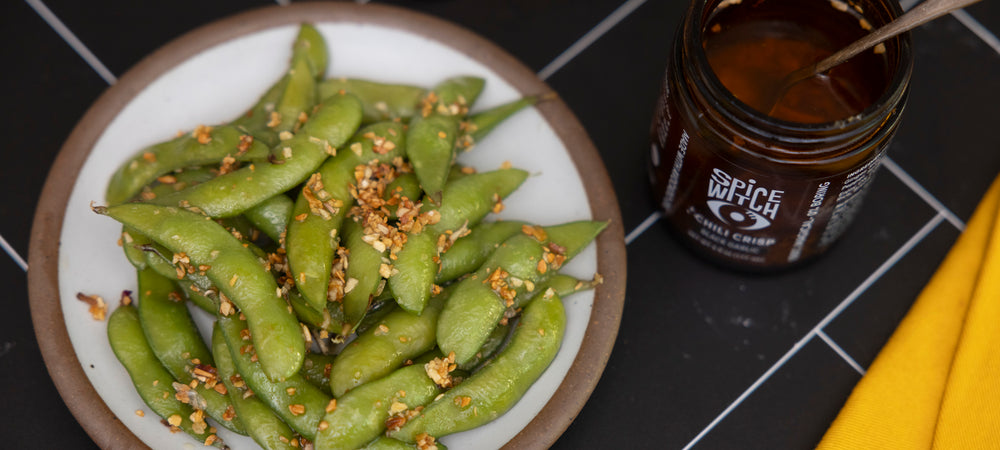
(231, 194)
(470, 252)
(255, 119)
(299, 97)
(263, 425)
(496, 387)
(413, 272)
(208, 147)
(297, 402)
(468, 199)
(482, 123)
(198, 296)
(309, 46)
(388, 443)
(465, 202)
(329, 319)
(386, 346)
(132, 242)
(362, 274)
(432, 143)
(473, 311)
(509, 277)
(234, 269)
(324, 201)
(175, 341)
(151, 380)
(316, 370)
(361, 414)
(271, 216)
(382, 101)
(493, 343)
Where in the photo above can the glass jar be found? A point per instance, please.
(772, 185)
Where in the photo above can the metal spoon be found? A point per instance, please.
(918, 15)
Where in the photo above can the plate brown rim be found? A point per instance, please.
(43, 255)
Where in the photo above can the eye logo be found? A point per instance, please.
(737, 216)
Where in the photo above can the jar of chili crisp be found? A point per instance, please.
(758, 180)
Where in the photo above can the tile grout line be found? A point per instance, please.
(881, 270)
(840, 351)
(60, 28)
(13, 254)
(917, 188)
(592, 36)
(977, 28)
(655, 216)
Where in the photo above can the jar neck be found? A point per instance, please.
(784, 141)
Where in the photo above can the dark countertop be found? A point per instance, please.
(705, 358)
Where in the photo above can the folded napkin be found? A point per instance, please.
(936, 383)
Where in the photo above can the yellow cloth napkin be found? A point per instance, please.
(936, 383)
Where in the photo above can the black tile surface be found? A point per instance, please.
(944, 140)
(693, 337)
(810, 388)
(46, 91)
(863, 328)
(121, 33)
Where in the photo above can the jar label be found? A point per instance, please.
(747, 215)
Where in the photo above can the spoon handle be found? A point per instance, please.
(919, 15)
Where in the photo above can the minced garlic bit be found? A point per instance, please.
(175, 420)
(98, 309)
(536, 232)
(381, 330)
(140, 413)
(330, 407)
(149, 157)
(285, 135)
(126, 298)
(338, 275)
(500, 282)
(297, 409)
(439, 370)
(426, 442)
(246, 141)
(275, 119)
(202, 133)
(323, 425)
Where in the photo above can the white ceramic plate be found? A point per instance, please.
(214, 83)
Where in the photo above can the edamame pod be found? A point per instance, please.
(175, 341)
(433, 133)
(432, 143)
(231, 267)
(361, 414)
(206, 145)
(388, 443)
(381, 101)
(465, 202)
(297, 402)
(386, 346)
(323, 203)
(470, 252)
(509, 276)
(481, 124)
(231, 194)
(316, 370)
(264, 426)
(309, 46)
(271, 216)
(495, 388)
(152, 381)
(299, 97)
(362, 274)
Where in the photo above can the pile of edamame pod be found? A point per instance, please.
(359, 299)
